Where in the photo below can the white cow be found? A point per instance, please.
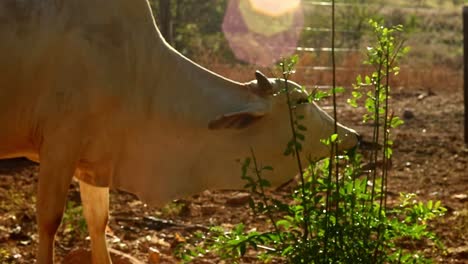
(90, 89)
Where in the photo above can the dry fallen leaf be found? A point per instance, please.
(154, 256)
(179, 238)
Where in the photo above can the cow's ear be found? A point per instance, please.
(237, 120)
(264, 86)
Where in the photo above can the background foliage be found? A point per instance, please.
(433, 27)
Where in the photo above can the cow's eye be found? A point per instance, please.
(302, 101)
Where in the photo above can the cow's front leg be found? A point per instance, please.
(55, 175)
(96, 211)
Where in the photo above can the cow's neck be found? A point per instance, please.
(195, 93)
(174, 145)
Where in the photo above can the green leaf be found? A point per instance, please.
(301, 127)
(368, 80)
(242, 249)
(388, 153)
(406, 50)
(429, 205)
(356, 94)
(358, 80)
(318, 95)
(294, 59)
(352, 102)
(333, 138)
(284, 223)
(300, 136)
(264, 183)
(325, 141)
(252, 204)
(338, 89)
(396, 122)
(298, 146)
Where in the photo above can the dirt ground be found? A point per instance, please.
(429, 159)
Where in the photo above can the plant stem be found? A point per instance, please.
(333, 149)
(263, 195)
(383, 187)
(305, 201)
(375, 137)
(335, 131)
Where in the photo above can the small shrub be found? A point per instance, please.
(339, 212)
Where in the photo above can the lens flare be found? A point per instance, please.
(260, 22)
(275, 7)
(263, 31)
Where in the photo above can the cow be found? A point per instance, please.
(90, 89)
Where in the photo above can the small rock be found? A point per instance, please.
(422, 96)
(461, 252)
(238, 199)
(195, 210)
(462, 197)
(206, 193)
(135, 203)
(408, 114)
(122, 246)
(208, 209)
(159, 242)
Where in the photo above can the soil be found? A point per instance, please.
(430, 159)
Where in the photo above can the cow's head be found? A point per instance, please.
(267, 115)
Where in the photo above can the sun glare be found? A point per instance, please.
(263, 31)
(275, 7)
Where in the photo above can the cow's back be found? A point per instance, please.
(67, 61)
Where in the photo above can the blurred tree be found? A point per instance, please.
(353, 18)
(165, 20)
(192, 26)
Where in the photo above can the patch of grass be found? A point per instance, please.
(73, 222)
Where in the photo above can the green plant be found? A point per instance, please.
(173, 209)
(73, 221)
(5, 256)
(339, 212)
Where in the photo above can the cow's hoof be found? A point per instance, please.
(83, 256)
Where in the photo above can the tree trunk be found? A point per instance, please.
(165, 19)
